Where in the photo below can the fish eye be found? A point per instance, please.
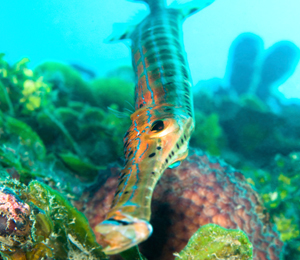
(157, 126)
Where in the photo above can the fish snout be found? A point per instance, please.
(122, 232)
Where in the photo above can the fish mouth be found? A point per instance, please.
(119, 235)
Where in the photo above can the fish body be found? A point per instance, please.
(162, 123)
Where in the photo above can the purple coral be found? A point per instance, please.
(202, 190)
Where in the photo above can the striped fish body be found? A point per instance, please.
(160, 63)
(161, 125)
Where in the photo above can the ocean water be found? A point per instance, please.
(62, 121)
(74, 31)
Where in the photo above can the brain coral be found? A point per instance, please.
(202, 190)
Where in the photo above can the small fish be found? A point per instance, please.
(162, 123)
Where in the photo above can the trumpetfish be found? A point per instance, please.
(162, 123)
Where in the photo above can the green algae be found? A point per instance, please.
(132, 254)
(281, 197)
(107, 89)
(208, 134)
(28, 138)
(58, 229)
(20, 146)
(63, 135)
(68, 223)
(66, 81)
(84, 169)
(279, 187)
(214, 242)
(64, 110)
(5, 102)
(23, 150)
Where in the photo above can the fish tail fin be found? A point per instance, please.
(154, 5)
(190, 7)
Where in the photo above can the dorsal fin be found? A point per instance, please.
(154, 5)
(121, 31)
(188, 8)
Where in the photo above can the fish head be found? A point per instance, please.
(158, 140)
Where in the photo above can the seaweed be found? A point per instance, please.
(70, 135)
(214, 242)
(208, 134)
(49, 227)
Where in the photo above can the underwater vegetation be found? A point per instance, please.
(261, 134)
(75, 134)
(59, 144)
(279, 186)
(255, 127)
(33, 121)
(214, 242)
(38, 223)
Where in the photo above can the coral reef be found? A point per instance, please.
(54, 129)
(251, 69)
(261, 130)
(243, 53)
(39, 121)
(14, 218)
(202, 190)
(250, 133)
(279, 186)
(38, 223)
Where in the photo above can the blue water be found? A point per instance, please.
(73, 32)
